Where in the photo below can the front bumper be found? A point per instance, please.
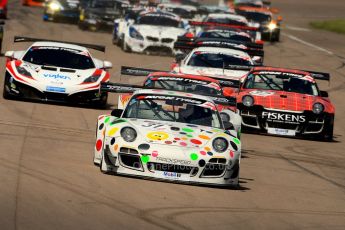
(151, 45)
(155, 163)
(22, 91)
(305, 123)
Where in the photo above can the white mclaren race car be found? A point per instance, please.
(221, 63)
(168, 135)
(56, 72)
(151, 32)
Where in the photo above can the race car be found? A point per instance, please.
(2, 23)
(183, 11)
(218, 59)
(151, 32)
(62, 10)
(56, 71)
(263, 19)
(100, 14)
(168, 135)
(33, 2)
(3, 9)
(285, 102)
(226, 18)
(217, 89)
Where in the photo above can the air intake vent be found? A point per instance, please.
(67, 70)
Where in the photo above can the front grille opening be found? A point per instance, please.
(67, 70)
(167, 40)
(194, 171)
(249, 120)
(128, 150)
(152, 39)
(217, 160)
(316, 127)
(170, 168)
(131, 161)
(213, 170)
(49, 68)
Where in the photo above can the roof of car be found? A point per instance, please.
(172, 93)
(60, 44)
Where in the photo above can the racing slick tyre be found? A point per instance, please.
(276, 37)
(103, 167)
(125, 47)
(102, 104)
(5, 93)
(327, 134)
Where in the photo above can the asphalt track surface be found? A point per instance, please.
(48, 181)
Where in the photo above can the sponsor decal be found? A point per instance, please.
(171, 174)
(55, 89)
(55, 48)
(283, 117)
(182, 79)
(261, 93)
(163, 97)
(56, 76)
(280, 73)
(173, 161)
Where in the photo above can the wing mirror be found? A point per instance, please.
(324, 93)
(116, 112)
(107, 65)
(9, 54)
(228, 125)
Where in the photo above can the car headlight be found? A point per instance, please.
(92, 79)
(135, 34)
(248, 100)
(220, 145)
(225, 117)
(272, 26)
(128, 134)
(23, 71)
(318, 108)
(55, 6)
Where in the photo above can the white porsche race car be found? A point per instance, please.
(57, 72)
(168, 135)
(151, 32)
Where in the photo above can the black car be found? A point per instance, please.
(100, 14)
(62, 10)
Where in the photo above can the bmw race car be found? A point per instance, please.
(285, 102)
(218, 90)
(57, 72)
(62, 10)
(168, 135)
(183, 11)
(151, 32)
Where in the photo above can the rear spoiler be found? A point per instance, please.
(221, 43)
(127, 88)
(133, 71)
(28, 39)
(223, 25)
(319, 75)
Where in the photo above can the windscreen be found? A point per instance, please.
(59, 57)
(256, 16)
(287, 82)
(158, 21)
(174, 109)
(226, 35)
(216, 60)
(226, 21)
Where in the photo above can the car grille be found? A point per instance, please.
(153, 39)
(167, 40)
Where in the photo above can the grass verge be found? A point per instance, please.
(337, 25)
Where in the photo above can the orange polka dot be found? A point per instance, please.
(116, 147)
(184, 138)
(204, 137)
(207, 149)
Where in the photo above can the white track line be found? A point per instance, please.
(297, 28)
(308, 44)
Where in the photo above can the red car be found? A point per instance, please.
(3, 9)
(33, 2)
(285, 102)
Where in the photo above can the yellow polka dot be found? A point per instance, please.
(207, 149)
(113, 131)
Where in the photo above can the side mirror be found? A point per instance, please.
(227, 125)
(179, 57)
(257, 60)
(323, 93)
(107, 65)
(279, 18)
(274, 10)
(9, 54)
(116, 112)
(228, 92)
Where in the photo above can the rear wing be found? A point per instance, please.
(111, 87)
(28, 39)
(183, 44)
(223, 25)
(319, 75)
(133, 71)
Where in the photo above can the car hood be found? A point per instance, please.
(172, 133)
(212, 72)
(159, 31)
(282, 100)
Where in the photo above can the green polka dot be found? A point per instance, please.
(188, 130)
(107, 120)
(117, 121)
(189, 135)
(194, 156)
(237, 141)
(145, 158)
